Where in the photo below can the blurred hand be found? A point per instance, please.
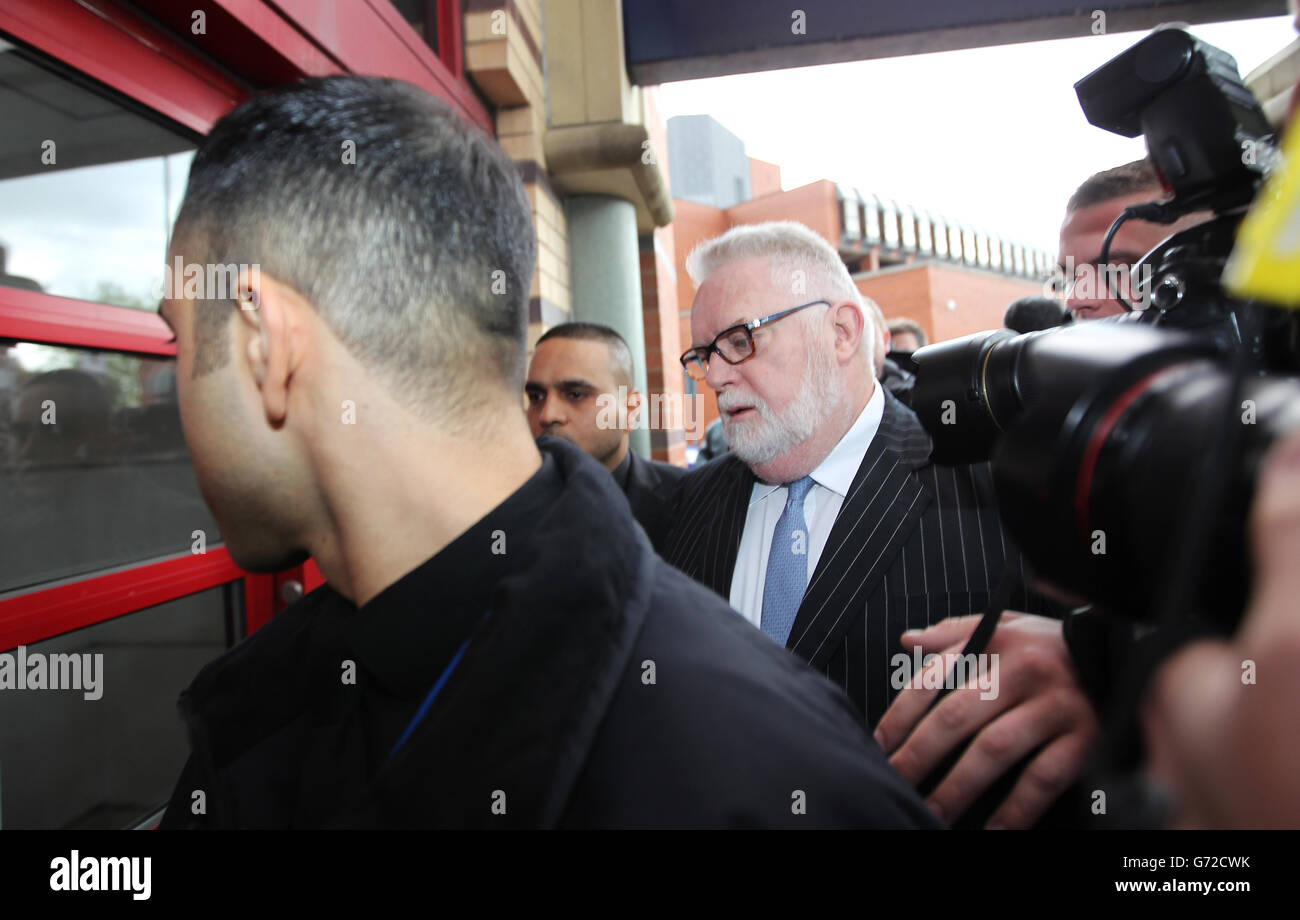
(1222, 719)
(1039, 704)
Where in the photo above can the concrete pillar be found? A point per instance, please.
(605, 274)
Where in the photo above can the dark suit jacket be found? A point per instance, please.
(649, 490)
(605, 689)
(913, 544)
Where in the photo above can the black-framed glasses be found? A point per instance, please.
(735, 344)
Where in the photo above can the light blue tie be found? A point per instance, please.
(787, 565)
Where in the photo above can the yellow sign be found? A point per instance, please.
(1265, 265)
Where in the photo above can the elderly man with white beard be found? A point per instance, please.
(829, 528)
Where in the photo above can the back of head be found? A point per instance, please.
(1030, 314)
(405, 227)
(910, 327)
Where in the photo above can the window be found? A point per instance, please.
(108, 760)
(88, 188)
(940, 237)
(924, 233)
(907, 222)
(849, 216)
(969, 248)
(94, 472)
(423, 17)
(889, 224)
(871, 220)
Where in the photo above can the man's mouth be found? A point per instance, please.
(739, 412)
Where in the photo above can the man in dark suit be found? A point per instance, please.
(829, 527)
(579, 388)
(496, 644)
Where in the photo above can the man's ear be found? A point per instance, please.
(847, 320)
(268, 312)
(633, 407)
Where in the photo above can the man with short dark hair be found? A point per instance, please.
(486, 651)
(579, 387)
(906, 335)
(1090, 286)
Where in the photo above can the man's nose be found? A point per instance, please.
(1072, 299)
(551, 412)
(720, 374)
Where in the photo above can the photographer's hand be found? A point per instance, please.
(1039, 704)
(1223, 719)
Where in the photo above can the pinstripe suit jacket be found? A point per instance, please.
(913, 544)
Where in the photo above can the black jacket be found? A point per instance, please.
(604, 689)
(898, 381)
(914, 543)
(649, 489)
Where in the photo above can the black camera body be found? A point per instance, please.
(1111, 440)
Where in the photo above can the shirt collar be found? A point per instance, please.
(836, 472)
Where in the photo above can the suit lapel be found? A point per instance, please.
(882, 508)
(722, 548)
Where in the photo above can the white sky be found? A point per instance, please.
(990, 136)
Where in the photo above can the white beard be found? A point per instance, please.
(760, 440)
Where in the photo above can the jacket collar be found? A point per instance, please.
(521, 710)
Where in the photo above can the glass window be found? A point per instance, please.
(940, 237)
(889, 224)
(107, 747)
(995, 253)
(94, 471)
(423, 17)
(907, 224)
(969, 247)
(956, 241)
(89, 189)
(924, 233)
(849, 216)
(871, 219)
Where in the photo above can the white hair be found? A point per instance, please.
(877, 320)
(797, 257)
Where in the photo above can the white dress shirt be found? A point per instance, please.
(831, 482)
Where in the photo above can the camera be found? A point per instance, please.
(1125, 451)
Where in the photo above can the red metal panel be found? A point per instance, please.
(35, 317)
(45, 612)
(247, 36)
(450, 46)
(120, 49)
(371, 37)
(259, 601)
(311, 576)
